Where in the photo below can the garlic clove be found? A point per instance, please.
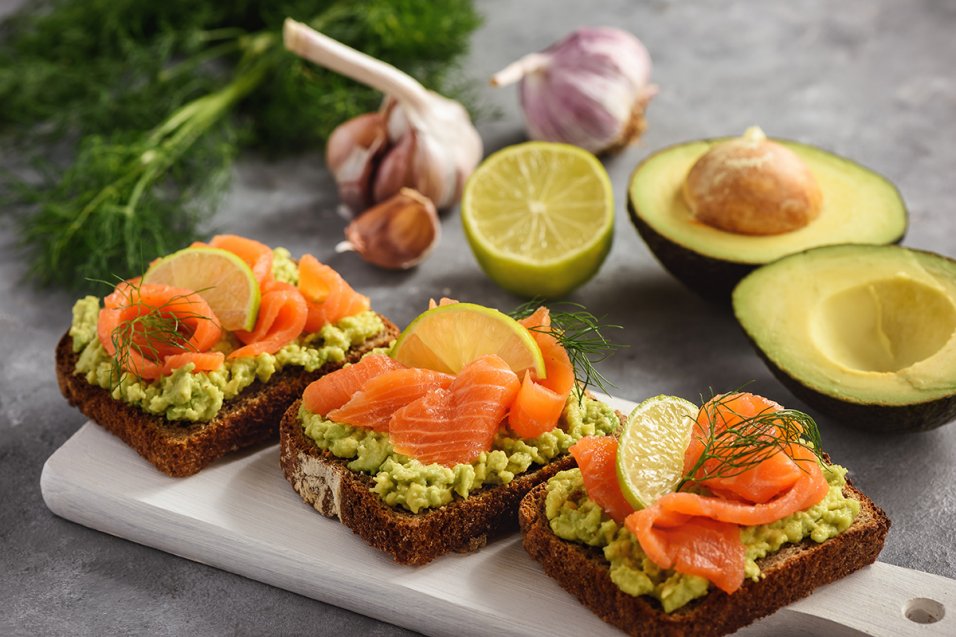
(590, 89)
(396, 169)
(351, 155)
(396, 234)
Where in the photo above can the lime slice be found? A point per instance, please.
(650, 453)
(539, 217)
(448, 337)
(220, 277)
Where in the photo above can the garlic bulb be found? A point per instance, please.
(418, 139)
(590, 89)
(396, 234)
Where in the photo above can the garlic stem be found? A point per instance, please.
(512, 73)
(308, 43)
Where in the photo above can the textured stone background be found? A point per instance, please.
(872, 80)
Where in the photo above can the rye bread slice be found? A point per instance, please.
(463, 525)
(179, 448)
(790, 574)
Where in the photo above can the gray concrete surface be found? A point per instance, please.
(873, 80)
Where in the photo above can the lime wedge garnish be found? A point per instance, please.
(650, 453)
(220, 277)
(448, 337)
(539, 217)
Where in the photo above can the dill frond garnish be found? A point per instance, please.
(155, 331)
(740, 446)
(579, 332)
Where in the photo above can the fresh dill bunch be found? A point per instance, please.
(579, 332)
(136, 195)
(143, 100)
(92, 66)
(731, 450)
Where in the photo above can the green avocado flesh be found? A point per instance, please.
(867, 333)
(859, 206)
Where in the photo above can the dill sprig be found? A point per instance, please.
(153, 332)
(732, 450)
(579, 332)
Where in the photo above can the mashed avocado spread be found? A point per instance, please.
(198, 397)
(576, 518)
(405, 482)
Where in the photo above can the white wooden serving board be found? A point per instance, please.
(241, 515)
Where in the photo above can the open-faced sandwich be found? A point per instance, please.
(698, 522)
(430, 448)
(202, 354)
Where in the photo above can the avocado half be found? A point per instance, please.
(866, 334)
(859, 206)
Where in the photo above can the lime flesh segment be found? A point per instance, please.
(650, 453)
(539, 217)
(220, 277)
(448, 337)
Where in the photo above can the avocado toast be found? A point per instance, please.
(157, 366)
(745, 529)
(420, 462)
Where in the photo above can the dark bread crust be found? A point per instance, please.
(180, 448)
(790, 574)
(325, 482)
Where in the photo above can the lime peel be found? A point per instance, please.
(650, 456)
(539, 217)
(448, 337)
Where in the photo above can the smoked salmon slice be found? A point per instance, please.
(454, 425)
(597, 459)
(335, 389)
(540, 402)
(380, 397)
(695, 546)
(441, 302)
(761, 482)
(258, 256)
(202, 361)
(536, 409)
(701, 534)
(328, 297)
(282, 317)
(186, 323)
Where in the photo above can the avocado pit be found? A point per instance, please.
(753, 186)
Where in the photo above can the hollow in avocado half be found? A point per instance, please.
(866, 334)
(711, 213)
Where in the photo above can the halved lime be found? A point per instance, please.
(650, 453)
(539, 217)
(448, 337)
(223, 279)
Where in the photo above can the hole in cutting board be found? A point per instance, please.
(922, 610)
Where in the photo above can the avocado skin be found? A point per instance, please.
(713, 279)
(877, 418)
